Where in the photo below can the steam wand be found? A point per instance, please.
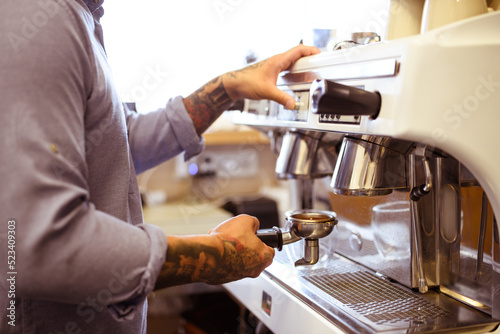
(417, 193)
(482, 237)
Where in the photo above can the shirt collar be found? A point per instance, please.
(93, 5)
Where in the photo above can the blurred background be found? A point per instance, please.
(164, 48)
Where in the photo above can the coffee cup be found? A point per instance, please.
(438, 13)
(494, 5)
(404, 19)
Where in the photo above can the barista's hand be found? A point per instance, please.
(244, 254)
(258, 81)
(229, 252)
(255, 82)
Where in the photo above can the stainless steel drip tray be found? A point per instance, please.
(359, 301)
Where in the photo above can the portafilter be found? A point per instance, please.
(310, 225)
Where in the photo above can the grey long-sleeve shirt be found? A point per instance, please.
(81, 259)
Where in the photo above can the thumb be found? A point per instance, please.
(282, 98)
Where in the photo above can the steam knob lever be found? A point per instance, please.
(331, 98)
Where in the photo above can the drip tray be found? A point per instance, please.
(379, 301)
(358, 300)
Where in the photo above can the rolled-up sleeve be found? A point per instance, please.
(158, 244)
(160, 135)
(183, 128)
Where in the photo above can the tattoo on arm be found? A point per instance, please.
(189, 262)
(206, 104)
(186, 264)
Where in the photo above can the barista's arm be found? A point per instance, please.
(255, 82)
(230, 252)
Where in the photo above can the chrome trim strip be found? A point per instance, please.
(360, 70)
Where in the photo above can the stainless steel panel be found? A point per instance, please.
(360, 301)
(367, 169)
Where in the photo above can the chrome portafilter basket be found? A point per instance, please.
(310, 225)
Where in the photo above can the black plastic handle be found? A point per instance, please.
(272, 237)
(332, 98)
(418, 192)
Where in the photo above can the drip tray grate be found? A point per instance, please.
(377, 300)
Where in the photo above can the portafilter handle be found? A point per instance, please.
(272, 237)
(276, 238)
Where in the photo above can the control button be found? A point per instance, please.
(298, 105)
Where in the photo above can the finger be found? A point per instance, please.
(249, 221)
(304, 50)
(294, 54)
(286, 60)
(272, 251)
(256, 223)
(282, 98)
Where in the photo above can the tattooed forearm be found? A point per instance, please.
(196, 260)
(188, 260)
(206, 104)
(238, 262)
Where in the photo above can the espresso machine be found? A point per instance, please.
(407, 130)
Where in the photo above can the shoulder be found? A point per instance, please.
(28, 23)
(45, 41)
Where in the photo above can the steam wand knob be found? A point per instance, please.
(420, 191)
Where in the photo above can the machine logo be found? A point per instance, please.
(266, 303)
